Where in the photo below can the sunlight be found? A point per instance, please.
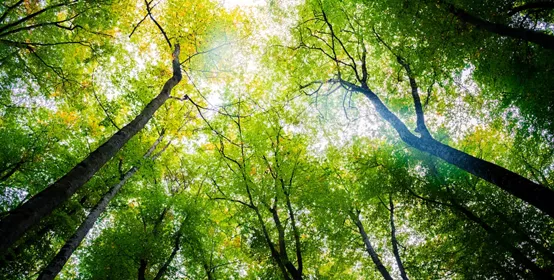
(231, 4)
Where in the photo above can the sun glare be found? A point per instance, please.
(230, 4)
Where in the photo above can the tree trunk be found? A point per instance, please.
(56, 264)
(369, 248)
(395, 243)
(142, 269)
(517, 185)
(209, 272)
(537, 37)
(516, 254)
(13, 226)
(164, 267)
(12, 170)
(524, 236)
(519, 256)
(546, 5)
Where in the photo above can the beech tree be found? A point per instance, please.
(290, 139)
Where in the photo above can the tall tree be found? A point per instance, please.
(56, 264)
(349, 59)
(13, 226)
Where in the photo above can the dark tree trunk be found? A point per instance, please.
(517, 185)
(523, 235)
(395, 243)
(537, 37)
(519, 256)
(516, 254)
(12, 170)
(13, 226)
(545, 5)
(56, 264)
(209, 272)
(369, 248)
(176, 248)
(142, 269)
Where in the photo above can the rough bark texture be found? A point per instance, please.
(13, 226)
(369, 248)
(517, 185)
(537, 37)
(395, 243)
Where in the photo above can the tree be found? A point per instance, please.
(335, 48)
(266, 162)
(56, 265)
(25, 216)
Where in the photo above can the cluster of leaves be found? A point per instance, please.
(264, 163)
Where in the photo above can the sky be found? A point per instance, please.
(230, 4)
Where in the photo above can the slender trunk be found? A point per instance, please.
(524, 236)
(395, 243)
(176, 248)
(537, 37)
(283, 248)
(369, 248)
(12, 170)
(142, 269)
(274, 252)
(519, 256)
(13, 226)
(296, 235)
(517, 185)
(545, 5)
(209, 272)
(56, 264)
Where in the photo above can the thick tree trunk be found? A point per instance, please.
(369, 248)
(56, 265)
(517, 185)
(395, 243)
(537, 37)
(13, 226)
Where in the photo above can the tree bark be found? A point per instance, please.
(369, 248)
(13, 226)
(395, 243)
(56, 264)
(537, 37)
(517, 185)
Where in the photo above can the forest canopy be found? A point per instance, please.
(282, 139)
